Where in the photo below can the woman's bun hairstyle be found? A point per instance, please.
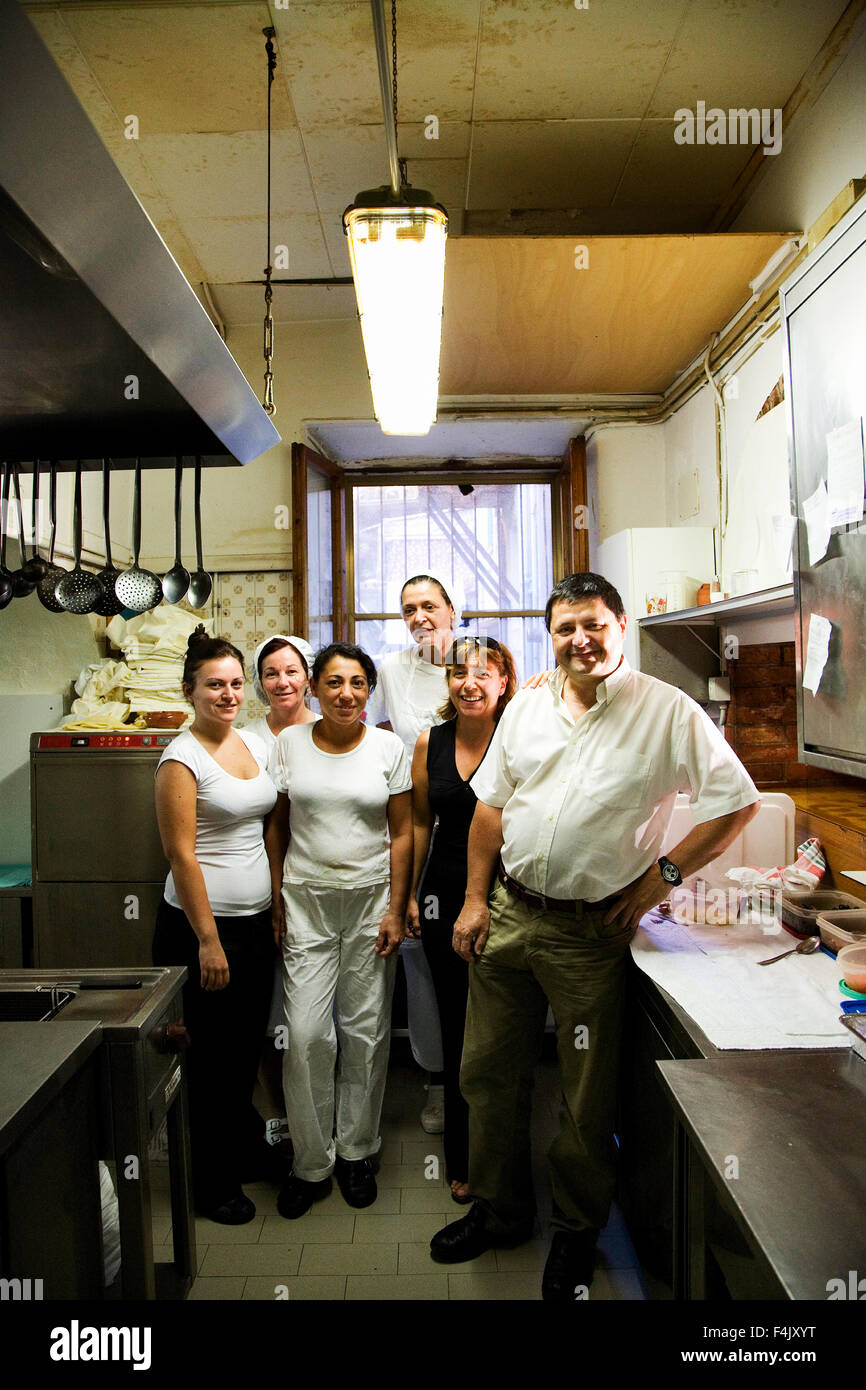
(201, 647)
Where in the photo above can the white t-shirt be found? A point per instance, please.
(586, 804)
(229, 843)
(408, 694)
(260, 732)
(339, 805)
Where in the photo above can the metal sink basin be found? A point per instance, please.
(32, 1005)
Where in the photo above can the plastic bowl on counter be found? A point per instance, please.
(841, 929)
(852, 960)
(800, 907)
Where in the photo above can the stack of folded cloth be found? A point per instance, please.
(154, 645)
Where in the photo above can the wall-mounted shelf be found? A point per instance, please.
(766, 603)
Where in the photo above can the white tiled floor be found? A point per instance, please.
(333, 1252)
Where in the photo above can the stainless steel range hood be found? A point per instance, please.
(104, 347)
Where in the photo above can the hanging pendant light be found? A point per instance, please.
(397, 240)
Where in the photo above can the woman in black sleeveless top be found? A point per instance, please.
(481, 681)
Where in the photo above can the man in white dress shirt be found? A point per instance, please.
(574, 799)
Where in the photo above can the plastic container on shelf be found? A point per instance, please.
(852, 961)
(840, 929)
(801, 907)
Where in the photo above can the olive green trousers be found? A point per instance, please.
(577, 965)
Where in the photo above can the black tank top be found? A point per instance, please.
(453, 801)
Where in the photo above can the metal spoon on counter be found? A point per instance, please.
(200, 584)
(136, 588)
(803, 948)
(175, 584)
(78, 591)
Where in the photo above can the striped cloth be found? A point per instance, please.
(806, 872)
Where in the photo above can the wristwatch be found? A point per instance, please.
(670, 872)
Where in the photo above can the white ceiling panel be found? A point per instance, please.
(245, 304)
(660, 170)
(233, 248)
(226, 175)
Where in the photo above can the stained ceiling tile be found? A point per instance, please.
(550, 60)
(226, 175)
(547, 164)
(181, 68)
(244, 304)
(746, 54)
(660, 171)
(233, 248)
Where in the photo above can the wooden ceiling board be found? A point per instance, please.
(180, 68)
(520, 319)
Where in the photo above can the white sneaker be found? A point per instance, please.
(433, 1114)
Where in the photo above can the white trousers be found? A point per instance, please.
(336, 987)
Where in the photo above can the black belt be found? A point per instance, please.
(540, 900)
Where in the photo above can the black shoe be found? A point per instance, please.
(357, 1181)
(569, 1266)
(469, 1238)
(235, 1211)
(297, 1196)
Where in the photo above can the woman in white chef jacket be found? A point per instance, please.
(340, 847)
(212, 797)
(412, 689)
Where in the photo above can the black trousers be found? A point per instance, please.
(227, 1030)
(451, 982)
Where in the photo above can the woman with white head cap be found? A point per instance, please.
(281, 679)
(412, 689)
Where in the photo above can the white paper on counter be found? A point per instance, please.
(783, 539)
(713, 973)
(817, 647)
(845, 474)
(816, 514)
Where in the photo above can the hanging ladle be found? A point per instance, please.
(803, 948)
(21, 585)
(201, 584)
(109, 604)
(46, 588)
(35, 568)
(136, 588)
(5, 576)
(78, 591)
(175, 584)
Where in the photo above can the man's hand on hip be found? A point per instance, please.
(471, 928)
(636, 898)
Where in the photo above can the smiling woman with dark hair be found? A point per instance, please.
(340, 850)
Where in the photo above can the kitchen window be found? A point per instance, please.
(494, 537)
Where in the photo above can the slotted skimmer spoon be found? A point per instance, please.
(803, 948)
(78, 591)
(109, 604)
(175, 584)
(136, 588)
(200, 584)
(47, 585)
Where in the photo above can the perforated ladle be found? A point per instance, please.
(78, 591)
(136, 588)
(47, 586)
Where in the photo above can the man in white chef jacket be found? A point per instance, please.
(574, 799)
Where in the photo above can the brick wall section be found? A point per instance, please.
(762, 718)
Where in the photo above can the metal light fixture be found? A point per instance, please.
(397, 240)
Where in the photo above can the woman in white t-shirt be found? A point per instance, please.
(340, 847)
(212, 798)
(281, 680)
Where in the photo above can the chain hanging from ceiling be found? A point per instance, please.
(401, 162)
(268, 401)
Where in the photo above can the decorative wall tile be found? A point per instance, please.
(248, 607)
